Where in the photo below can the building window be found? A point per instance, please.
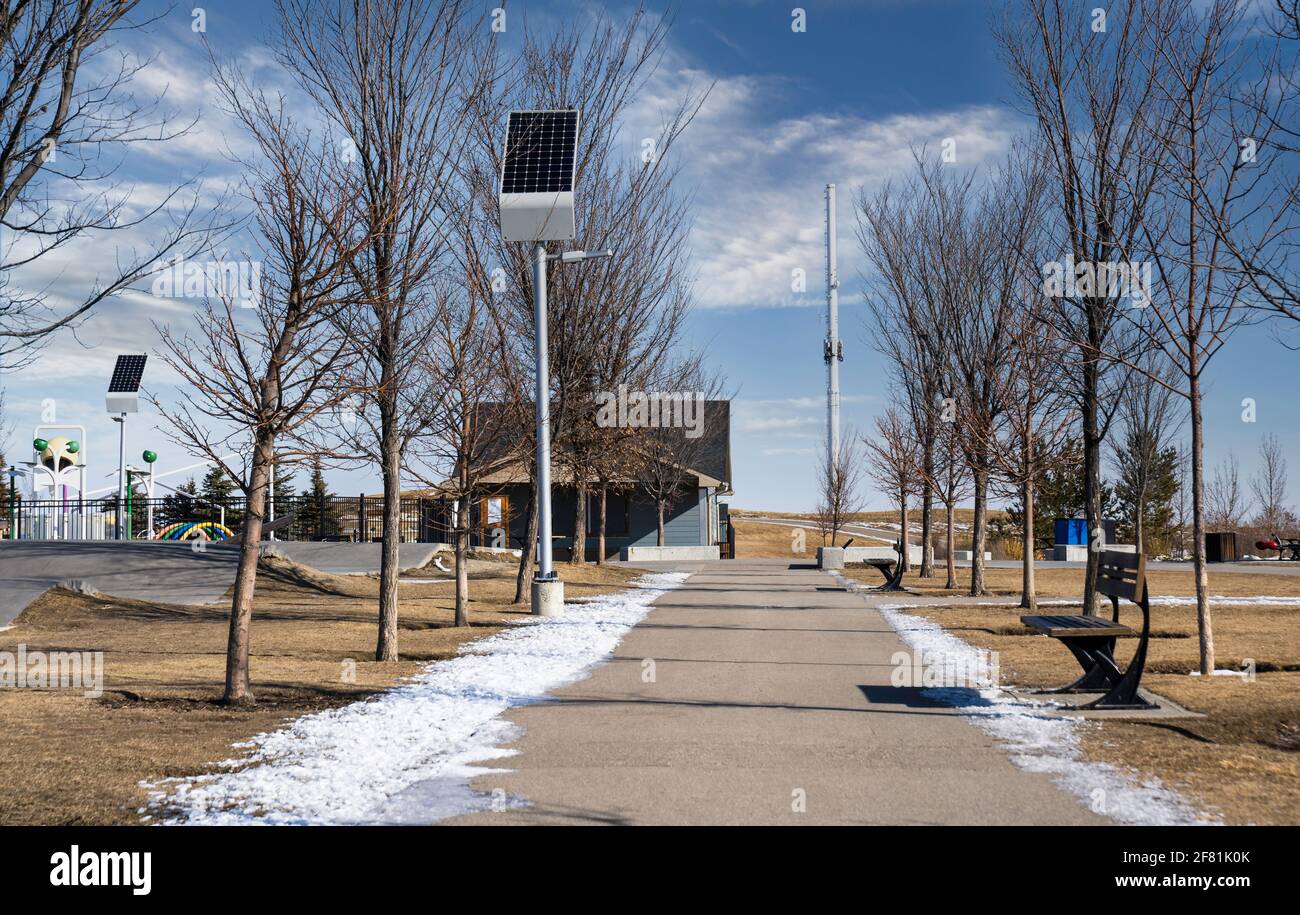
(494, 512)
(616, 512)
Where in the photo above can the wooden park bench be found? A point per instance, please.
(1091, 639)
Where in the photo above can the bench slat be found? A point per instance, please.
(1073, 626)
(1122, 575)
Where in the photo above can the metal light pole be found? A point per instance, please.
(542, 402)
(834, 349)
(545, 570)
(13, 503)
(121, 476)
(149, 458)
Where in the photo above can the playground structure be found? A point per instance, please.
(195, 530)
(58, 465)
(1283, 546)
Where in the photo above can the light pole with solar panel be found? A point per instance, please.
(123, 397)
(536, 204)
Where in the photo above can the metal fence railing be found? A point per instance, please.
(182, 516)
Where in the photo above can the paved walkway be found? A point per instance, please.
(769, 681)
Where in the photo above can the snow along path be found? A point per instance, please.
(1038, 742)
(406, 756)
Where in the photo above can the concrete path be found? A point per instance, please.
(769, 681)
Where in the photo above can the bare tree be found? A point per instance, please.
(268, 366)
(1268, 252)
(1225, 503)
(894, 457)
(1039, 419)
(1147, 419)
(1268, 485)
(467, 425)
(952, 484)
(901, 329)
(974, 273)
(1091, 86)
(840, 485)
(66, 110)
(1203, 180)
(399, 81)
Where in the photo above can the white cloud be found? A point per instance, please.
(759, 184)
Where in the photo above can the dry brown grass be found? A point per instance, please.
(68, 759)
(1241, 759)
(962, 515)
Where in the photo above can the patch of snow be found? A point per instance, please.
(1220, 601)
(1038, 742)
(407, 755)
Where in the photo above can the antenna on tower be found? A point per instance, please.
(834, 349)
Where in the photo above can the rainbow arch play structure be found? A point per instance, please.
(195, 530)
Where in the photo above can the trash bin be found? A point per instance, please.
(1221, 547)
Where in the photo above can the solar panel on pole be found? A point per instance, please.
(537, 175)
(124, 386)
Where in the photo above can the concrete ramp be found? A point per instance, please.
(170, 572)
(174, 573)
(352, 558)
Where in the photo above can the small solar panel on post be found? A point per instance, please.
(123, 397)
(538, 171)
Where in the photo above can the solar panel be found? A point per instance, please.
(127, 374)
(540, 152)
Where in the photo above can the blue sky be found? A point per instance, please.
(841, 102)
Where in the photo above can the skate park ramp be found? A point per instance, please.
(160, 571)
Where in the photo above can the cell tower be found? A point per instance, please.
(834, 349)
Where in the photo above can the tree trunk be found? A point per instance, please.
(1091, 485)
(579, 556)
(952, 545)
(390, 450)
(239, 689)
(1139, 526)
(659, 512)
(1028, 590)
(527, 548)
(979, 532)
(600, 525)
(927, 512)
(462, 563)
(905, 556)
(1204, 627)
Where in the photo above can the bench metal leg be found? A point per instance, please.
(1097, 658)
(1124, 694)
(894, 578)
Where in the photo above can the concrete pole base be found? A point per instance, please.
(548, 596)
(830, 557)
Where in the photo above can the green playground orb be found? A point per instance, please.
(149, 457)
(73, 447)
(40, 444)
